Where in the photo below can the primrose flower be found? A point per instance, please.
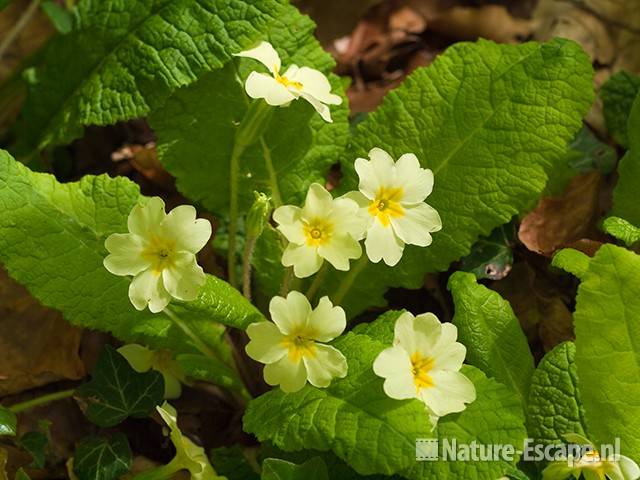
(292, 347)
(324, 229)
(160, 252)
(392, 198)
(423, 363)
(189, 456)
(591, 465)
(143, 359)
(280, 89)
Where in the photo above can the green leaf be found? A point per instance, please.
(61, 18)
(625, 193)
(618, 94)
(8, 422)
(555, 407)
(491, 257)
(35, 442)
(276, 469)
(128, 57)
(4, 4)
(607, 326)
(376, 434)
(52, 241)
(22, 475)
(492, 334)
(572, 261)
(116, 391)
(98, 458)
(196, 128)
(232, 463)
(205, 368)
(622, 230)
(491, 121)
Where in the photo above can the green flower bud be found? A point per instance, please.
(258, 215)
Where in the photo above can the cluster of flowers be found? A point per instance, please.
(387, 211)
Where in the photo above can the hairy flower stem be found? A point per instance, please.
(249, 247)
(317, 282)
(43, 400)
(349, 278)
(249, 131)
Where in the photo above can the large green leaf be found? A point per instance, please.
(197, 126)
(52, 241)
(622, 230)
(618, 94)
(625, 194)
(125, 57)
(491, 121)
(376, 434)
(312, 469)
(607, 326)
(492, 334)
(555, 407)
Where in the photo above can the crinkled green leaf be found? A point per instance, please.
(492, 334)
(625, 193)
(8, 422)
(572, 261)
(201, 367)
(618, 94)
(52, 241)
(622, 230)
(196, 128)
(124, 58)
(98, 458)
(116, 391)
(607, 326)
(555, 407)
(491, 121)
(376, 434)
(277, 469)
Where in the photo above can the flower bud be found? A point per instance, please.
(258, 215)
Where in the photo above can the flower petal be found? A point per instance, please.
(316, 84)
(628, 467)
(125, 254)
(261, 85)
(144, 220)
(265, 54)
(184, 279)
(339, 250)
(190, 233)
(394, 365)
(415, 225)
(347, 218)
(450, 393)
(265, 342)
(290, 314)
(140, 358)
(290, 375)
(289, 223)
(303, 258)
(416, 182)
(383, 244)
(146, 288)
(427, 333)
(318, 202)
(327, 364)
(375, 173)
(447, 353)
(327, 321)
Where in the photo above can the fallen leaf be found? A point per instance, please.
(36, 345)
(559, 221)
(144, 158)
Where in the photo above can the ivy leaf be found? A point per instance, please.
(492, 334)
(122, 68)
(231, 462)
(376, 434)
(52, 241)
(491, 121)
(491, 257)
(607, 328)
(116, 391)
(625, 193)
(276, 469)
(555, 407)
(8, 422)
(196, 128)
(35, 442)
(618, 94)
(622, 230)
(98, 458)
(21, 475)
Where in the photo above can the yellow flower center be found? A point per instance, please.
(420, 368)
(160, 253)
(299, 346)
(281, 79)
(386, 205)
(317, 232)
